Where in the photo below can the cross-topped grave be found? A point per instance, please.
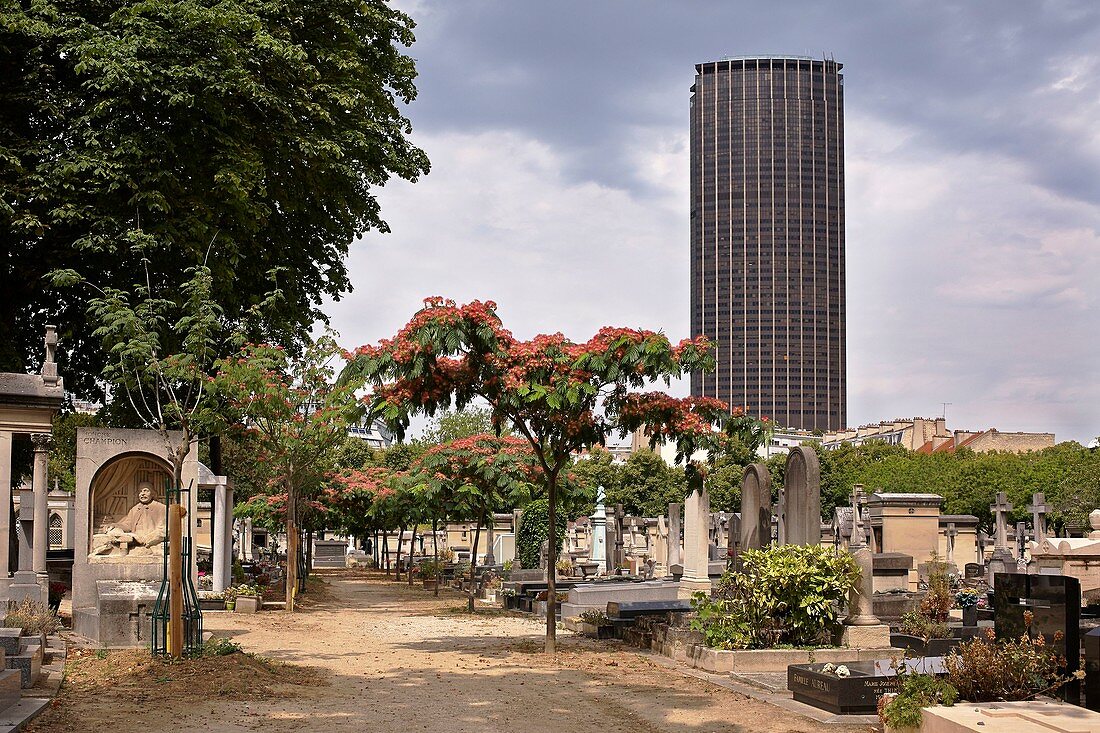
(951, 533)
(1001, 560)
(1039, 509)
(1000, 520)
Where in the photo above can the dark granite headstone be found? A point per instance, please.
(857, 694)
(1092, 670)
(1055, 604)
(634, 609)
(973, 570)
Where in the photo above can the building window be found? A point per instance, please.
(55, 535)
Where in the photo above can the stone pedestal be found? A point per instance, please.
(29, 584)
(122, 615)
(866, 637)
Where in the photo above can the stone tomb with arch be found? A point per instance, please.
(119, 535)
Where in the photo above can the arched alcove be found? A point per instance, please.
(114, 488)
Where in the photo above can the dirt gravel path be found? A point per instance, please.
(399, 659)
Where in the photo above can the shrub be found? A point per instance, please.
(782, 595)
(917, 624)
(596, 618)
(937, 602)
(32, 617)
(216, 646)
(986, 669)
(916, 691)
(430, 569)
(534, 527)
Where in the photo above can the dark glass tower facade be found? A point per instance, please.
(767, 236)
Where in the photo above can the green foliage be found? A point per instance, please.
(782, 595)
(264, 125)
(217, 646)
(915, 692)
(919, 624)
(62, 465)
(534, 527)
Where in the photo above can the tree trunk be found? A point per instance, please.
(291, 545)
(435, 549)
(473, 560)
(412, 552)
(400, 537)
(386, 551)
(552, 564)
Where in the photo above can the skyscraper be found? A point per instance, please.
(767, 236)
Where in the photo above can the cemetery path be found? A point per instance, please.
(399, 659)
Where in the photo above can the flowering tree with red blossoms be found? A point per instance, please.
(292, 416)
(558, 395)
(466, 478)
(374, 498)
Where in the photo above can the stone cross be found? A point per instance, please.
(1021, 539)
(1039, 510)
(49, 364)
(951, 533)
(1000, 520)
(857, 539)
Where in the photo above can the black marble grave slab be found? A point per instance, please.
(859, 693)
(1055, 605)
(634, 609)
(1092, 670)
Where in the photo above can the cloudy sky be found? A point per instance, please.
(558, 135)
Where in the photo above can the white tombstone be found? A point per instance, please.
(599, 529)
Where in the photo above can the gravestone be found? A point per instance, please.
(598, 551)
(800, 513)
(674, 535)
(973, 570)
(696, 575)
(1055, 604)
(950, 534)
(862, 629)
(118, 558)
(756, 507)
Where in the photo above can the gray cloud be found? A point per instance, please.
(558, 135)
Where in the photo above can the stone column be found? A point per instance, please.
(696, 544)
(5, 504)
(222, 540)
(862, 628)
(490, 559)
(40, 485)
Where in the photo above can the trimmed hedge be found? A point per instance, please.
(534, 527)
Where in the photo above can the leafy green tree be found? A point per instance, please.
(648, 485)
(457, 424)
(261, 125)
(595, 469)
(534, 529)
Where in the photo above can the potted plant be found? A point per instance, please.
(967, 600)
(429, 574)
(230, 596)
(249, 599)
